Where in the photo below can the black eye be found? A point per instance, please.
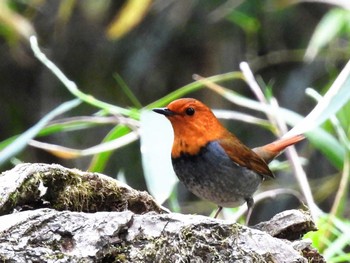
(190, 111)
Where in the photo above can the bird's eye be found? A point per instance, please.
(190, 111)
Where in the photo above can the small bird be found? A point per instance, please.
(212, 162)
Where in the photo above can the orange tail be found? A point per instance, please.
(270, 151)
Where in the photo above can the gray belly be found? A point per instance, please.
(213, 176)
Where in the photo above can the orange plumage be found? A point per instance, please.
(212, 162)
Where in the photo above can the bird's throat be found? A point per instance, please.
(187, 148)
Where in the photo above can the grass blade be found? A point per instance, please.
(21, 141)
(100, 160)
(72, 87)
(127, 91)
(194, 86)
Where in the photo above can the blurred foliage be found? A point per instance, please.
(127, 18)
(334, 25)
(140, 56)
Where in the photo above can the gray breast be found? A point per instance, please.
(213, 176)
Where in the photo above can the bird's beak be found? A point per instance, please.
(164, 111)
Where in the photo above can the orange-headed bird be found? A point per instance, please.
(212, 162)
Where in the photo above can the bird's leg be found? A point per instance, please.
(250, 205)
(218, 211)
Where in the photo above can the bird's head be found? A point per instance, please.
(194, 125)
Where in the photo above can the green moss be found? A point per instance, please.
(27, 191)
(56, 256)
(70, 189)
(191, 244)
(67, 191)
(114, 253)
(83, 193)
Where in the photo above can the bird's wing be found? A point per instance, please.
(245, 157)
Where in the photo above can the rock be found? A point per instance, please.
(90, 217)
(32, 186)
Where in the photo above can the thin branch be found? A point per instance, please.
(233, 115)
(69, 153)
(97, 120)
(253, 84)
(282, 129)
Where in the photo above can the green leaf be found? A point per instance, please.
(335, 98)
(100, 160)
(194, 86)
(328, 28)
(127, 91)
(247, 23)
(75, 124)
(342, 240)
(327, 143)
(21, 141)
(156, 142)
(73, 88)
(66, 125)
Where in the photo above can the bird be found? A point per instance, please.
(211, 161)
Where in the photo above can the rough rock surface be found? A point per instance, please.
(45, 218)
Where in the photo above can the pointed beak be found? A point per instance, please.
(164, 111)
